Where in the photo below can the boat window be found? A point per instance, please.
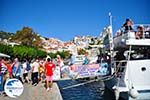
(140, 54)
(136, 56)
(143, 69)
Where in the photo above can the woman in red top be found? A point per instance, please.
(9, 68)
(49, 68)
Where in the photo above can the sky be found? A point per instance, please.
(65, 19)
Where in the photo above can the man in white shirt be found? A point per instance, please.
(26, 70)
(35, 70)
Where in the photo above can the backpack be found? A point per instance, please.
(28, 67)
(16, 71)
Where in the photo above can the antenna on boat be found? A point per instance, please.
(111, 38)
(110, 19)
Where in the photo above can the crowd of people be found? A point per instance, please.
(37, 70)
(29, 72)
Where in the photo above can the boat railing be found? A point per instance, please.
(144, 29)
(138, 36)
(120, 67)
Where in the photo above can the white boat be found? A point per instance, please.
(131, 81)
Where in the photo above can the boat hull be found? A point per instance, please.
(143, 95)
(109, 93)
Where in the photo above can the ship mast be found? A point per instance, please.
(111, 39)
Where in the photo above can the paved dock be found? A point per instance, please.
(37, 93)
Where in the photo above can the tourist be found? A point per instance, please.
(4, 75)
(49, 68)
(118, 33)
(35, 70)
(128, 25)
(16, 69)
(108, 58)
(3, 71)
(26, 69)
(72, 61)
(60, 63)
(41, 71)
(140, 32)
(98, 59)
(3, 67)
(104, 66)
(119, 56)
(9, 68)
(86, 60)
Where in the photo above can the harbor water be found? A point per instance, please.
(81, 90)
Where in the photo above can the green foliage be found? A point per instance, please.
(41, 53)
(52, 55)
(22, 51)
(5, 35)
(67, 54)
(81, 52)
(63, 54)
(27, 37)
(5, 49)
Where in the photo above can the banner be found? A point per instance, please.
(81, 71)
(85, 70)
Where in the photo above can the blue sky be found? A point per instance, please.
(65, 19)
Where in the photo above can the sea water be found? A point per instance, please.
(75, 90)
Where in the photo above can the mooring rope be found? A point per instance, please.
(76, 85)
(87, 82)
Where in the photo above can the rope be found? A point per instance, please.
(99, 79)
(105, 78)
(72, 86)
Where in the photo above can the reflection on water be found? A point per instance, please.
(90, 91)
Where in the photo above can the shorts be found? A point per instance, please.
(25, 75)
(49, 78)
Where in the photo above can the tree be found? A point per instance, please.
(5, 35)
(6, 49)
(41, 53)
(28, 52)
(52, 55)
(81, 51)
(22, 51)
(67, 54)
(27, 37)
(63, 54)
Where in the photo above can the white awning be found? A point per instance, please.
(138, 42)
(4, 55)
